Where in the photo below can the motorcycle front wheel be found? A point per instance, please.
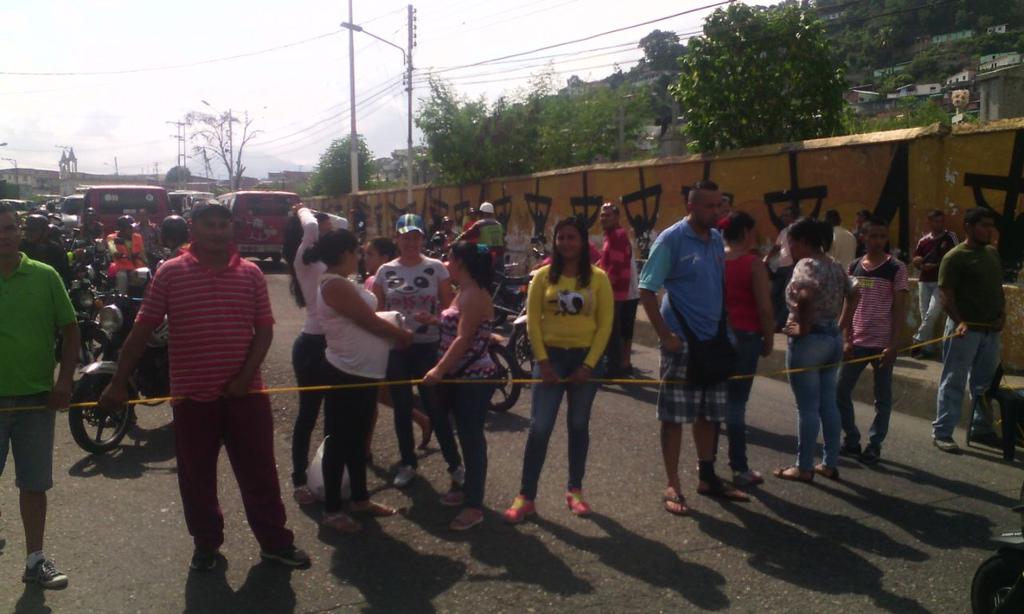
(97, 430)
(992, 585)
(506, 393)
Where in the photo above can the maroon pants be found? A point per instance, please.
(245, 427)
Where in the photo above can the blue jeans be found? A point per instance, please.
(546, 400)
(930, 307)
(412, 363)
(848, 376)
(815, 392)
(310, 370)
(748, 350)
(470, 408)
(976, 352)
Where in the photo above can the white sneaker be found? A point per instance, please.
(459, 476)
(405, 476)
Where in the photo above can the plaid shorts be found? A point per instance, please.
(682, 404)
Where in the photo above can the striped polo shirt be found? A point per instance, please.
(872, 321)
(211, 317)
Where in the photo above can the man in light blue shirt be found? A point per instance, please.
(688, 261)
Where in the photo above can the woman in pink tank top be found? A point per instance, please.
(749, 306)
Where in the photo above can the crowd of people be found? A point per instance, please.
(412, 320)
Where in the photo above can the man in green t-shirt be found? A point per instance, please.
(33, 306)
(971, 289)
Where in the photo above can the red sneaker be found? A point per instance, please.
(574, 500)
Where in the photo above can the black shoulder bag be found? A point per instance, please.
(711, 361)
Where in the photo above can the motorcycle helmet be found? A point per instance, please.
(36, 222)
(125, 222)
(174, 230)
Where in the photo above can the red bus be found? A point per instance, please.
(113, 201)
(260, 219)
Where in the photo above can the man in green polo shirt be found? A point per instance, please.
(971, 286)
(33, 306)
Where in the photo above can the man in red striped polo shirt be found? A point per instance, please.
(220, 328)
(876, 328)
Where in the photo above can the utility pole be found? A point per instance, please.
(353, 146)
(408, 86)
(115, 167)
(182, 159)
(232, 181)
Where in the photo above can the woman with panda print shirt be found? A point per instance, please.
(569, 320)
(412, 285)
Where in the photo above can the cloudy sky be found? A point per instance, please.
(105, 76)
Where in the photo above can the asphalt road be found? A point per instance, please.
(903, 536)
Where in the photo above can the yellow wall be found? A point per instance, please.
(899, 175)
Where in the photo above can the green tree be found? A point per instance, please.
(178, 175)
(759, 76)
(910, 113)
(577, 129)
(453, 128)
(661, 51)
(333, 176)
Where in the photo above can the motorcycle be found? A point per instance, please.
(99, 430)
(507, 392)
(998, 585)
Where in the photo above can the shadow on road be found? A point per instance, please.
(507, 422)
(267, 588)
(649, 561)
(133, 459)
(812, 562)
(32, 601)
(391, 575)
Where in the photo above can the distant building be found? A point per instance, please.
(961, 78)
(1002, 93)
(952, 37)
(890, 70)
(287, 181)
(30, 181)
(857, 96)
(1000, 29)
(918, 90)
(995, 61)
(576, 86)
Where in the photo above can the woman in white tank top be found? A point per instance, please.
(358, 342)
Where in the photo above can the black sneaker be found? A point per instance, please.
(45, 574)
(870, 455)
(203, 560)
(289, 557)
(946, 444)
(851, 450)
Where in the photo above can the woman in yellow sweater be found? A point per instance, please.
(569, 319)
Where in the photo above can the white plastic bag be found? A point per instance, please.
(315, 477)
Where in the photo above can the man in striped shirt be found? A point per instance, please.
(220, 328)
(876, 328)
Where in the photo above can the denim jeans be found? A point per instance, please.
(848, 376)
(976, 352)
(470, 408)
(412, 363)
(815, 392)
(930, 306)
(546, 400)
(748, 350)
(310, 370)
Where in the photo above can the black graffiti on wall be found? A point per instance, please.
(1009, 223)
(894, 199)
(794, 196)
(539, 208)
(643, 220)
(586, 207)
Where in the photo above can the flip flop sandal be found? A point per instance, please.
(719, 490)
(799, 476)
(341, 522)
(823, 470)
(678, 500)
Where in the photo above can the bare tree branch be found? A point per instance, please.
(216, 136)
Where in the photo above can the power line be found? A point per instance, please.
(460, 30)
(543, 64)
(600, 34)
(171, 66)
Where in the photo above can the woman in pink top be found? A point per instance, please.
(749, 306)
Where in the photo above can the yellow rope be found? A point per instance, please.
(616, 381)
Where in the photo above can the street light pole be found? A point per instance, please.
(407, 58)
(353, 145)
(408, 87)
